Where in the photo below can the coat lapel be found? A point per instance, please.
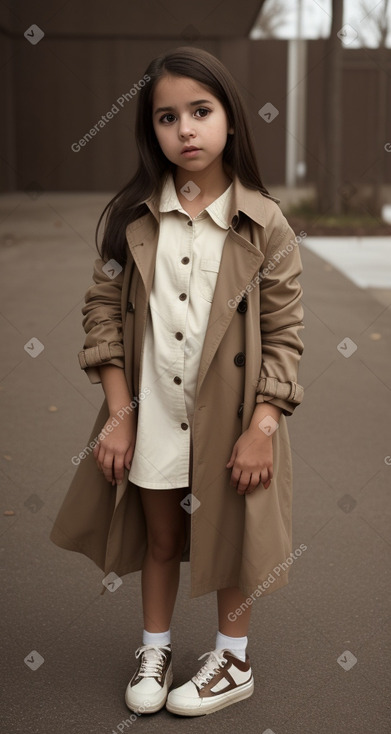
(142, 237)
(240, 262)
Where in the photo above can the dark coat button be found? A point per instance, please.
(242, 306)
(185, 260)
(179, 335)
(130, 307)
(183, 297)
(240, 411)
(177, 380)
(240, 359)
(235, 221)
(184, 426)
(190, 223)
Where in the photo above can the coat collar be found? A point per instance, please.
(247, 201)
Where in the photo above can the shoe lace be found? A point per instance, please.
(215, 661)
(152, 660)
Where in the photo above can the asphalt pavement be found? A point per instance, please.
(319, 647)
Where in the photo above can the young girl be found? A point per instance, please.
(193, 331)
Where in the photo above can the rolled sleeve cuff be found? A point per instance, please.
(285, 395)
(104, 353)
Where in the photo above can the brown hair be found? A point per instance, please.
(239, 154)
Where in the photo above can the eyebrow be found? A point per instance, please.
(191, 104)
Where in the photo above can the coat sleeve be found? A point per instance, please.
(102, 323)
(281, 316)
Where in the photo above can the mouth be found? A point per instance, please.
(189, 148)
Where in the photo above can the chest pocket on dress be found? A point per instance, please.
(207, 278)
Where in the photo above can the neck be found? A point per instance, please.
(212, 181)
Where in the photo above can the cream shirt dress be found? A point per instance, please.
(187, 263)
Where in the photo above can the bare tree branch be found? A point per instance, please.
(376, 23)
(270, 17)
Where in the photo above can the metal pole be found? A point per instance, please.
(296, 97)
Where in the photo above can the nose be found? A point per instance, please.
(186, 127)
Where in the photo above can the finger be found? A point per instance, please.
(119, 468)
(244, 482)
(235, 476)
(107, 466)
(265, 478)
(232, 459)
(129, 457)
(255, 482)
(99, 456)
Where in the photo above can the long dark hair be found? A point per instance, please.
(239, 154)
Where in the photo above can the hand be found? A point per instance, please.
(115, 449)
(251, 461)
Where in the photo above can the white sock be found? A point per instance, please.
(157, 638)
(236, 645)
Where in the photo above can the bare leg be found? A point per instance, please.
(227, 601)
(165, 520)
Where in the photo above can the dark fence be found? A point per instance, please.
(57, 90)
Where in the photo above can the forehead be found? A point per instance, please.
(172, 90)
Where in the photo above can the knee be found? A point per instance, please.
(165, 547)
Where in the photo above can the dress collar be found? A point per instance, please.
(219, 208)
(235, 199)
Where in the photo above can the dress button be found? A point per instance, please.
(183, 297)
(242, 307)
(184, 426)
(240, 359)
(179, 335)
(185, 260)
(177, 380)
(190, 223)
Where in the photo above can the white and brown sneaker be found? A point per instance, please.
(224, 679)
(148, 688)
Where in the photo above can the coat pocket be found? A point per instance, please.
(207, 278)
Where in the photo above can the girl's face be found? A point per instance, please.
(185, 113)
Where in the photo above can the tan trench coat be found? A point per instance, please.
(249, 355)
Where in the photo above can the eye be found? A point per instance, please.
(203, 109)
(168, 114)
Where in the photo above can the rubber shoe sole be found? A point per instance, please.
(157, 703)
(208, 705)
